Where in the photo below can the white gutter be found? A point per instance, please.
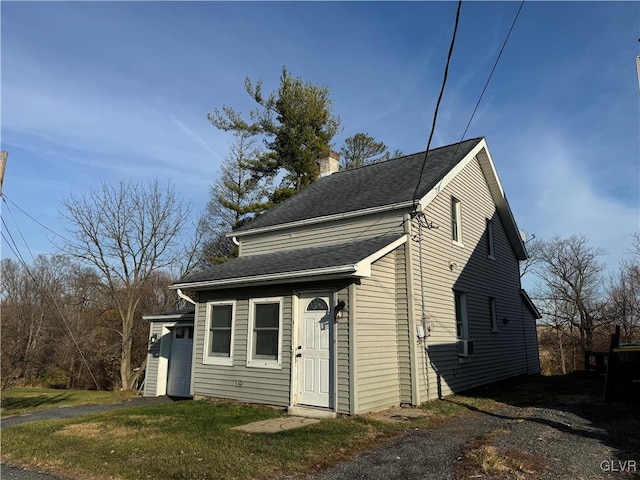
(342, 269)
(327, 218)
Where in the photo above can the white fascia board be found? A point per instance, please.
(169, 318)
(481, 152)
(442, 184)
(363, 267)
(341, 269)
(326, 218)
(500, 199)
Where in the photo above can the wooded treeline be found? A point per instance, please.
(580, 301)
(74, 318)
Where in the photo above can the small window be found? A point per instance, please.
(456, 221)
(317, 304)
(219, 335)
(494, 314)
(183, 332)
(461, 315)
(490, 247)
(265, 333)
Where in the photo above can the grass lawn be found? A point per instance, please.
(17, 400)
(193, 439)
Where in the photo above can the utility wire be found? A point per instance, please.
(19, 231)
(435, 113)
(16, 251)
(5, 199)
(504, 44)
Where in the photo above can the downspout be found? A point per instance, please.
(185, 297)
(413, 354)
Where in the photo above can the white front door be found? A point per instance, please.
(313, 353)
(179, 374)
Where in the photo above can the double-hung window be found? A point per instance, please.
(456, 221)
(265, 333)
(219, 333)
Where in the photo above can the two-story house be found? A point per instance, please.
(394, 283)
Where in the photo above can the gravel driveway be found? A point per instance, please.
(567, 434)
(561, 432)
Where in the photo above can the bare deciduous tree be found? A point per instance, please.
(127, 232)
(571, 284)
(624, 296)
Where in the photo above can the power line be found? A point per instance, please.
(504, 44)
(44, 292)
(19, 231)
(5, 199)
(444, 82)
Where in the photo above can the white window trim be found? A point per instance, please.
(493, 311)
(457, 205)
(260, 362)
(491, 246)
(214, 359)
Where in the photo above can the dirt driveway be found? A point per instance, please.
(552, 428)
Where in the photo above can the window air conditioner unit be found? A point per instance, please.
(465, 348)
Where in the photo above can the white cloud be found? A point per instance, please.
(564, 199)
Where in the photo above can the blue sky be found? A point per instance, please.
(107, 91)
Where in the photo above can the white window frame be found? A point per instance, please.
(208, 359)
(261, 362)
(491, 248)
(456, 221)
(464, 320)
(493, 312)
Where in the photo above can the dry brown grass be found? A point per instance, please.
(482, 459)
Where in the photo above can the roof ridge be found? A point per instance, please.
(408, 155)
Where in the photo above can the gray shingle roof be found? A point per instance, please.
(290, 261)
(380, 184)
(182, 314)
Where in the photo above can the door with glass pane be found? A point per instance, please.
(313, 354)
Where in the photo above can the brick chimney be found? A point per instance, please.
(329, 162)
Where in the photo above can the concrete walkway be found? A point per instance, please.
(276, 424)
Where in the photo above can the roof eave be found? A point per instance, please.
(481, 152)
(323, 219)
(324, 273)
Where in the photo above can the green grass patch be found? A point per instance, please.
(185, 440)
(17, 400)
(194, 439)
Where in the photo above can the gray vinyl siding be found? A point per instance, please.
(497, 355)
(338, 231)
(531, 345)
(259, 385)
(153, 359)
(402, 327)
(344, 374)
(377, 380)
